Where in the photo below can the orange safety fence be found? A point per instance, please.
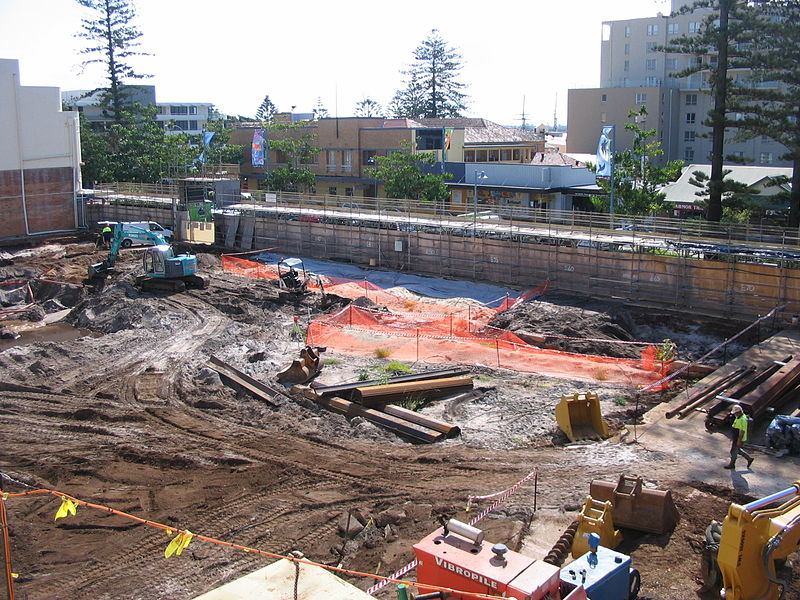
(444, 333)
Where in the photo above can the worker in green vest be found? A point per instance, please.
(740, 425)
(106, 236)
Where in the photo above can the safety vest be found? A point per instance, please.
(740, 423)
(106, 229)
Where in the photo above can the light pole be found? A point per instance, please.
(482, 176)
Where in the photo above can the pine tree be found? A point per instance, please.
(266, 110)
(112, 39)
(432, 90)
(368, 108)
(771, 105)
(726, 27)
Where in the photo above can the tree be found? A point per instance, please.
(726, 27)
(112, 40)
(293, 149)
(403, 176)
(368, 108)
(320, 112)
(266, 110)
(737, 197)
(432, 90)
(134, 149)
(771, 106)
(638, 175)
(218, 150)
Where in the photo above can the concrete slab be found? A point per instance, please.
(276, 582)
(706, 453)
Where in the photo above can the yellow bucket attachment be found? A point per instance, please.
(578, 416)
(637, 507)
(595, 517)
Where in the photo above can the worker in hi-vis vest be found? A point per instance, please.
(740, 425)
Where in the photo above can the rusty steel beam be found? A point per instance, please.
(377, 395)
(345, 390)
(255, 387)
(409, 415)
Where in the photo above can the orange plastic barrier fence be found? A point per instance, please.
(442, 333)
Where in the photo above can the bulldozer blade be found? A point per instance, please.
(578, 416)
(637, 507)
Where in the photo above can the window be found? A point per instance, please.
(765, 158)
(652, 30)
(651, 46)
(691, 99)
(469, 155)
(348, 191)
(192, 126)
(672, 64)
(766, 138)
(694, 27)
(347, 161)
(652, 81)
(180, 125)
(688, 154)
(627, 65)
(192, 110)
(641, 98)
(690, 118)
(688, 136)
(603, 97)
(333, 190)
(179, 110)
(673, 28)
(331, 166)
(739, 154)
(627, 31)
(650, 64)
(603, 117)
(627, 49)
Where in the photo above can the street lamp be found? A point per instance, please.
(482, 176)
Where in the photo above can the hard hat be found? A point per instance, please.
(737, 409)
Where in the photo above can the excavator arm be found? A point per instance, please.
(755, 540)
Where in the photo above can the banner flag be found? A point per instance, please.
(257, 148)
(604, 155)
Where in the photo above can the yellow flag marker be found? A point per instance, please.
(178, 543)
(68, 507)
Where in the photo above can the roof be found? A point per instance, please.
(683, 191)
(556, 158)
(483, 131)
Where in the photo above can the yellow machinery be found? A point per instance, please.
(756, 539)
(595, 517)
(304, 369)
(578, 416)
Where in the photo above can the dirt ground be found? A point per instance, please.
(124, 411)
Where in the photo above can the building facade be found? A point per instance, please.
(39, 159)
(174, 117)
(633, 73)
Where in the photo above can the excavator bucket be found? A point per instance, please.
(637, 507)
(305, 368)
(595, 517)
(578, 416)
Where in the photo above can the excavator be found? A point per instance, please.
(745, 556)
(164, 268)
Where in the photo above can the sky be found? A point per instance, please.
(517, 55)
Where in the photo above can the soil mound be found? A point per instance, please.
(570, 317)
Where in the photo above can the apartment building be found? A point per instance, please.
(40, 158)
(633, 73)
(174, 117)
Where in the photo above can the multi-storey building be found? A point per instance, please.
(633, 73)
(174, 117)
(40, 159)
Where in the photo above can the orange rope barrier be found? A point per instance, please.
(211, 540)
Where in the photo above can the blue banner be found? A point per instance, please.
(605, 156)
(257, 148)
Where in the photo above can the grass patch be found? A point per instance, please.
(412, 403)
(363, 375)
(600, 374)
(409, 305)
(331, 361)
(395, 367)
(620, 401)
(382, 353)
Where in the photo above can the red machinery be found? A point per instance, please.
(457, 557)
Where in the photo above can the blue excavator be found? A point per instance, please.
(164, 268)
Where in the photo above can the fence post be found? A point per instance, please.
(497, 347)
(451, 324)
(417, 343)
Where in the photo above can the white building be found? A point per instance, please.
(40, 158)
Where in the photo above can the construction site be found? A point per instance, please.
(347, 410)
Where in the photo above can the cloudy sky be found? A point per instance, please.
(234, 53)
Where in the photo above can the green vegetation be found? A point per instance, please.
(403, 176)
(331, 361)
(382, 353)
(396, 368)
(620, 401)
